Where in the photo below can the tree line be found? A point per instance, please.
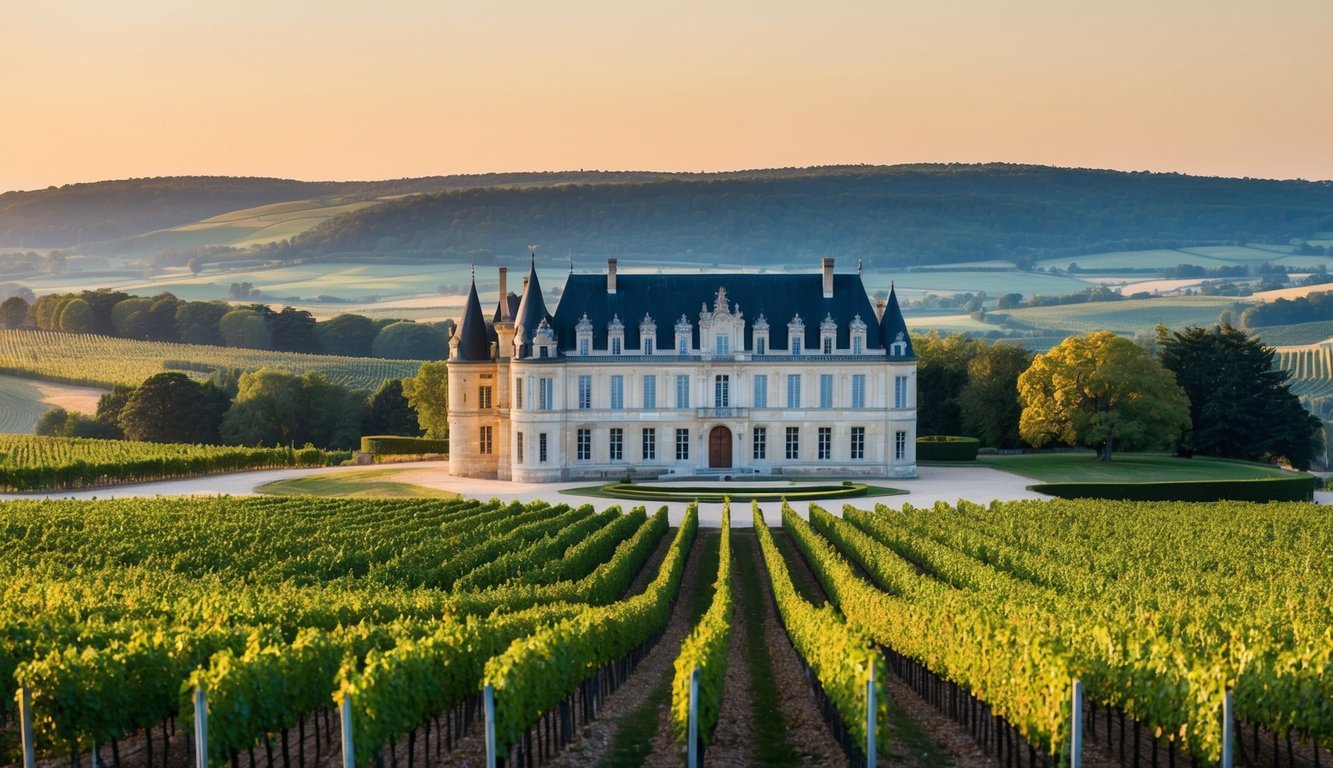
(1201, 391)
(261, 408)
(1313, 307)
(253, 326)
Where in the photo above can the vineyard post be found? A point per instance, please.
(872, 708)
(1076, 726)
(349, 753)
(693, 759)
(1228, 729)
(488, 701)
(25, 729)
(200, 727)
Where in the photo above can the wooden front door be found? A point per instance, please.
(719, 448)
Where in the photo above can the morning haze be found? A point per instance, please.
(336, 90)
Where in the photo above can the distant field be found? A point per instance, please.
(947, 323)
(940, 281)
(1208, 256)
(1311, 371)
(1295, 335)
(1292, 293)
(91, 360)
(23, 401)
(1124, 317)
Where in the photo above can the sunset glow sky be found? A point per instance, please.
(338, 90)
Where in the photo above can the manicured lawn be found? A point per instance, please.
(1127, 468)
(372, 483)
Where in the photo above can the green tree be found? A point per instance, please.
(1097, 390)
(276, 408)
(245, 328)
(109, 407)
(1240, 407)
(197, 322)
(406, 340)
(389, 413)
(941, 376)
(57, 421)
(349, 335)
(13, 312)
(989, 401)
(122, 313)
(292, 330)
(428, 394)
(170, 408)
(77, 317)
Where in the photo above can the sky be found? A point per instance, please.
(96, 90)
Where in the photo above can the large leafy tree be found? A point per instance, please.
(941, 376)
(1240, 406)
(388, 413)
(406, 340)
(988, 403)
(1100, 391)
(13, 312)
(428, 394)
(276, 408)
(349, 335)
(170, 408)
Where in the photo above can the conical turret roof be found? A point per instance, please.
(474, 343)
(893, 329)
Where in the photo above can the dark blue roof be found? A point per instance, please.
(667, 296)
(513, 308)
(531, 308)
(474, 342)
(893, 326)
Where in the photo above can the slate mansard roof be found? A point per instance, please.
(778, 297)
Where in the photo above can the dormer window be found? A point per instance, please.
(615, 332)
(795, 334)
(858, 332)
(544, 340)
(647, 334)
(760, 343)
(899, 346)
(828, 333)
(683, 328)
(583, 333)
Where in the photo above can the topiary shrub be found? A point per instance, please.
(388, 445)
(1298, 488)
(947, 448)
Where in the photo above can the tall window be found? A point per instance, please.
(583, 347)
(541, 447)
(683, 345)
(682, 391)
(793, 390)
(682, 445)
(615, 346)
(484, 396)
(518, 448)
(795, 344)
(617, 392)
(825, 443)
(825, 390)
(828, 345)
(761, 345)
(583, 444)
(487, 438)
(721, 344)
(858, 345)
(617, 444)
(761, 390)
(899, 391)
(899, 445)
(722, 391)
(793, 442)
(858, 391)
(585, 393)
(858, 443)
(518, 392)
(760, 452)
(648, 345)
(650, 392)
(547, 393)
(650, 444)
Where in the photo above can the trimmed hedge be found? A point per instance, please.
(388, 445)
(736, 493)
(1299, 488)
(947, 448)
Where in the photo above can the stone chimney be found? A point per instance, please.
(610, 275)
(879, 308)
(504, 296)
(826, 264)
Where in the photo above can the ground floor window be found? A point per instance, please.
(793, 442)
(617, 444)
(487, 442)
(583, 444)
(825, 443)
(899, 445)
(518, 448)
(650, 444)
(760, 444)
(858, 443)
(541, 447)
(682, 445)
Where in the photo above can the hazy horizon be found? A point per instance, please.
(330, 90)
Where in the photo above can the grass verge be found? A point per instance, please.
(371, 483)
(1128, 467)
(737, 493)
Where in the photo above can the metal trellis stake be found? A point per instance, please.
(1228, 730)
(200, 727)
(349, 749)
(872, 709)
(25, 729)
(488, 701)
(1076, 726)
(693, 730)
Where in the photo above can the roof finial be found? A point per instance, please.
(532, 249)
(858, 266)
(571, 262)
(474, 271)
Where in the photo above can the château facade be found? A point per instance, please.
(684, 374)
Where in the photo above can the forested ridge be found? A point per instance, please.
(889, 216)
(894, 216)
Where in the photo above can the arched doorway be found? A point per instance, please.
(719, 448)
